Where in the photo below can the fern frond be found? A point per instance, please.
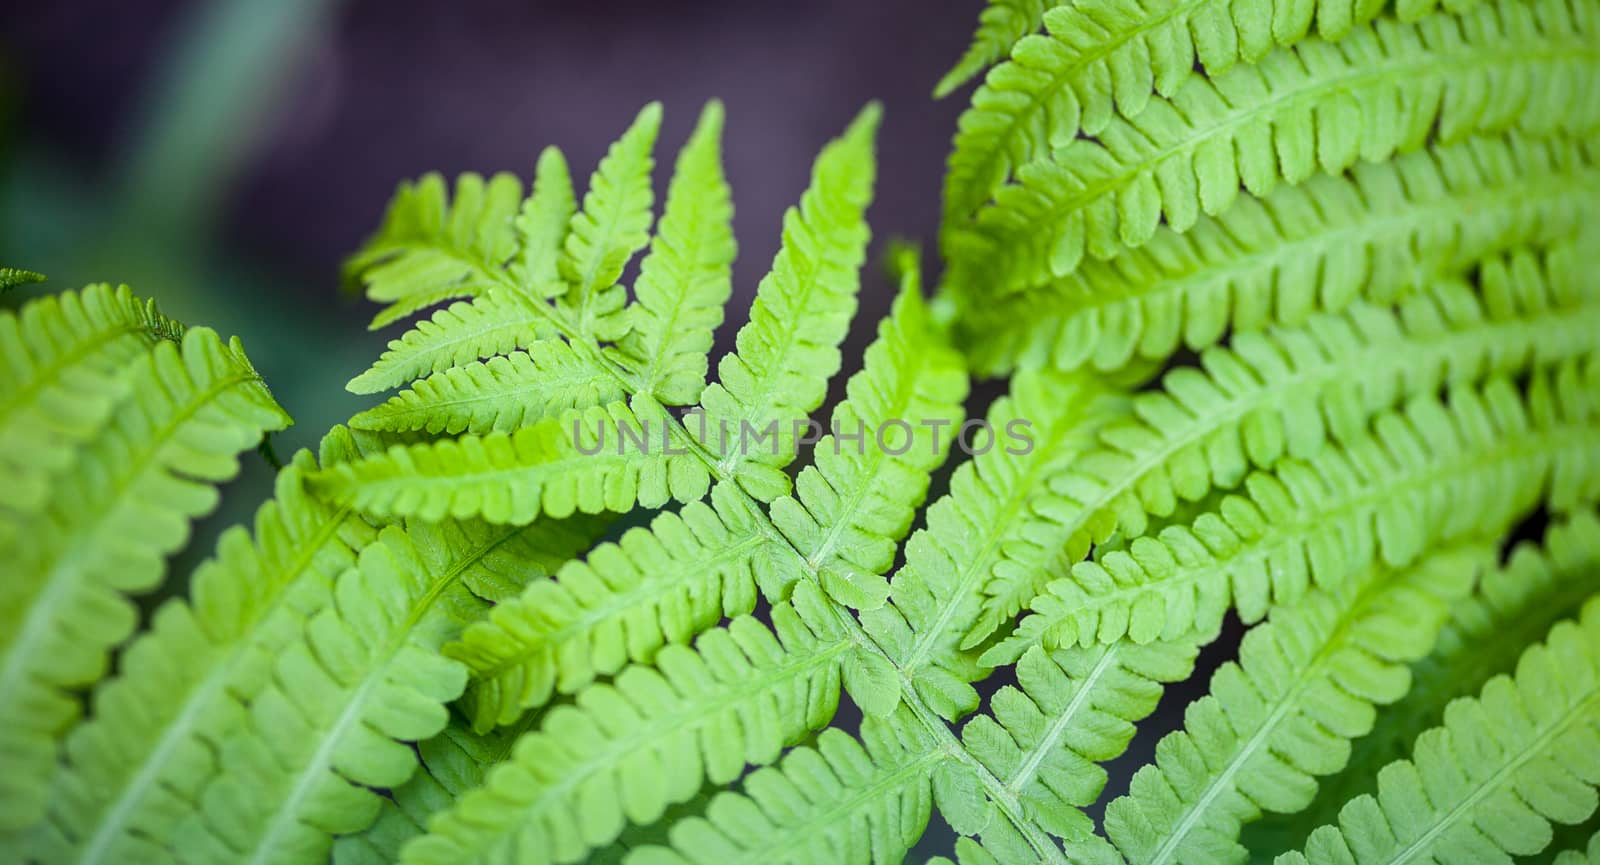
(105, 533)
(455, 336)
(62, 364)
(11, 277)
(1423, 478)
(432, 248)
(1305, 685)
(1285, 393)
(1487, 783)
(691, 570)
(1109, 56)
(854, 503)
(687, 277)
(297, 770)
(789, 348)
(1002, 23)
(599, 459)
(542, 226)
(653, 587)
(1071, 710)
(625, 751)
(990, 523)
(180, 687)
(1384, 89)
(1377, 233)
(1511, 607)
(613, 225)
(841, 800)
(501, 394)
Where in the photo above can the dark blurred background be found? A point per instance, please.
(223, 156)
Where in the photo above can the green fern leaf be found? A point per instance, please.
(1108, 55)
(740, 696)
(432, 248)
(455, 336)
(1002, 23)
(854, 503)
(1386, 496)
(11, 277)
(1487, 783)
(599, 459)
(498, 395)
(62, 364)
(693, 569)
(295, 770)
(1282, 121)
(1284, 394)
(1301, 248)
(1285, 713)
(181, 686)
(613, 225)
(841, 800)
(1072, 710)
(542, 226)
(1509, 610)
(789, 348)
(687, 277)
(653, 587)
(989, 523)
(105, 533)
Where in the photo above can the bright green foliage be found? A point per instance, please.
(597, 459)
(1495, 774)
(1421, 480)
(685, 280)
(504, 393)
(185, 410)
(841, 800)
(1304, 686)
(1107, 56)
(1509, 609)
(1003, 23)
(1276, 259)
(788, 349)
(613, 225)
(448, 641)
(61, 376)
(434, 246)
(183, 685)
(624, 752)
(653, 586)
(1071, 710)
(1281, 121)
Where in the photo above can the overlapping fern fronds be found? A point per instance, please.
(444, 642)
